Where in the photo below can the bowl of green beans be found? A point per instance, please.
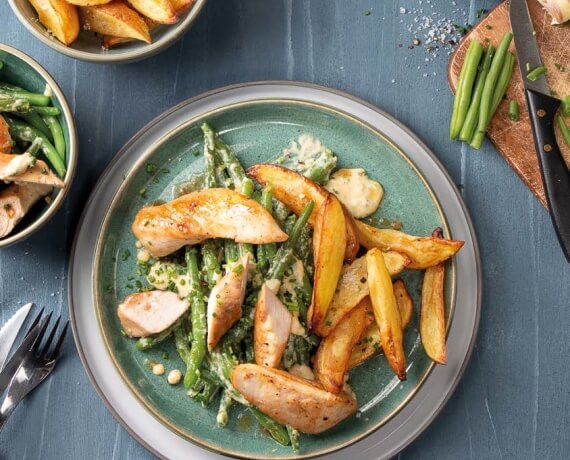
(38, 124)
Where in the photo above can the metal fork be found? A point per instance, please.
(36, 366)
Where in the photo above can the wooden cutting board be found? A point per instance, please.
(514, 140)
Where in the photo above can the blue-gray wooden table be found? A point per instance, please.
(514, 400)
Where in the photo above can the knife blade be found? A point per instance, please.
(9, 331)
(542, 108)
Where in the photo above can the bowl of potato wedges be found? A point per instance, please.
(107, 30)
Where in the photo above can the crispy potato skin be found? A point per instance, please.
(424, 252)
(353, 287)
(207, 213)
(160, 11)
(110, 40)
(5, 138)
(369, 345)
(59, 17)
(292, 400)
(329, 243)
(115, 18)
(432, 314)
(352, 242)
(386, 312)
(181, 6)
(333, 354)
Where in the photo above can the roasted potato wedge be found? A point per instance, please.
(352, 242)
(110, 40)
(295, 190)
(353, 287)
(423, 251)
(40, 173)
(290, 187)
(329, 243)
(207, 213)
(181, 6)
(59, 17)
(88, 2)
(432, 314)
(5, 138)
(369, 345)
(160, 11)
(291, 400)
(115, 18)
(386, 312)
(333, 354)
(404, 302)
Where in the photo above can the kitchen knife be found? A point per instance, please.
(9, 332)
(542, 109)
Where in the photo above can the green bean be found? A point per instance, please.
(9, 103)
(533, 74)
(266, 252)
(51, 111)
(182, 344)
(513, 110)
(465, 88)
(498, 94)
(276, 430)
(226, 402)
(294, 436)
(57, 134)
(564, 130)
(25, 133)
(146, 343)
(233, 166)
(34, 120)
(485, 110)
(32, 98)
(468, 127)
(285, 254)
(502, 83)
(198, 319)
(280, 212)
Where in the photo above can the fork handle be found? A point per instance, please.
(8, 406)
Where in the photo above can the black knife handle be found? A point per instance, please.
(555, 173)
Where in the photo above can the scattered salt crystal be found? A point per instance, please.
(403, 10)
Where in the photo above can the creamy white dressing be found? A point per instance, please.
(273, 285)
(17, 165)
(296, 326)
(360, 194)
(48, 91)
(162, 274)
(303, 371)
(143, 255)
(305, 150)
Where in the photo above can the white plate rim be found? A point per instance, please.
(404, 427)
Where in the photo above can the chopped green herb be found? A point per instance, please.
(488, 26)
(565, 106)
(367, 13)
(142, 192)
(238, 269)
(7, 207)
(164, 355)
(533, 74)
(560, 67)
(481, 12)
(151, 168)
(125, 255)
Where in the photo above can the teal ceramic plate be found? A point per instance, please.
(258, 128)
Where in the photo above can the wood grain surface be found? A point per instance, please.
(513, 401)
(514, 140)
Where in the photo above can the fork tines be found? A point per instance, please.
(44, 350)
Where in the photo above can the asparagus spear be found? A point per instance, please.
(10, 103)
